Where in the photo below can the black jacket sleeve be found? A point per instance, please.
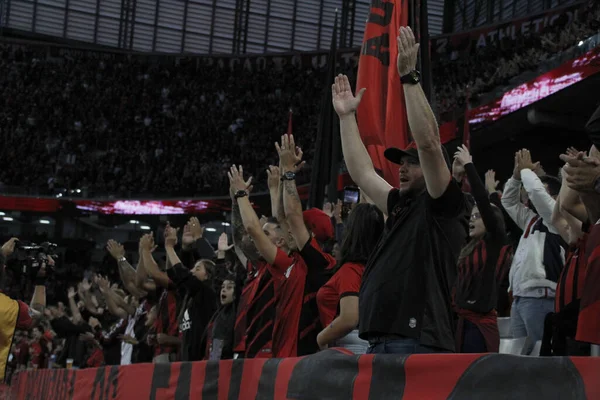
(64, 328)
(200, 249)
(182, 277)
(492, 225)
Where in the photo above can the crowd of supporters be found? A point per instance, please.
(459, 77)
(129, 127)
(425, 267)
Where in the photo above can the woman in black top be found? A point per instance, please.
(476, 290)
(199, 303)
(219, 343)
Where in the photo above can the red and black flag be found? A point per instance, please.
(382, 117)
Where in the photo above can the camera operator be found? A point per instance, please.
(14, 314)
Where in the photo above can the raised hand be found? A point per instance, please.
(490, 181)
(236, 180)
(462, 155)
(516, 169)
(147, 243)
(8, 248)
(408, 50)
(192, 231)
(102, 283)
(274, 176)
(290, 156)
(328, 209)
(71, 293)
(170, 236)
(344, 102)
(115, 249)
(337, 211)
(86, 285)
(525, 161)
(581, 173)
(196, 228)
(223, 244)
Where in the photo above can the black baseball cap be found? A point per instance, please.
(395, 155)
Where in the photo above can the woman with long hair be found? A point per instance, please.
(338, 298)
(199, 303)
(219, 334)
(476, 289)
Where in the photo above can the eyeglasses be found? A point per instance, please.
(475, 217)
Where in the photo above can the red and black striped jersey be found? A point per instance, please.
(588, 324)
(569, 287)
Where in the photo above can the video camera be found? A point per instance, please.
(31, 257)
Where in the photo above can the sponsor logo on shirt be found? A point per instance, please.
(412, 323)
(186, 323)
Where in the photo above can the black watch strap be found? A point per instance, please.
(241, 193)
(412, 78)
(288, 176)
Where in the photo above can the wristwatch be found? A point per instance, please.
(288, 176)
(122, 259)
(241, 193)
(412, 78)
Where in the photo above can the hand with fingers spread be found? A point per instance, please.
(463, 156)
(525, 161)
(236, 180)
(170, 236)
(290, 156)
(115, 249)
(223, 244)
(490, 181)
(8, 248)
(408, 50)
(274, 176)
(344, 102)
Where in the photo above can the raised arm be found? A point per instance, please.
(421, 119)
(479, 193)
(274, 183)
(356, 156)
(245, 249)
(73, 306)
(290, 158)
(511, 199)
(583, 175)
(249, 218)
(110, 297)
(126, 271)
(538, 195)
(150, 264)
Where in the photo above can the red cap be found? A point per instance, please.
(319, 223)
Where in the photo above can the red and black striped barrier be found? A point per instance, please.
(331, 374)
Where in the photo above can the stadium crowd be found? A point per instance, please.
(129, 127)
(463, 76)
(303, 280)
